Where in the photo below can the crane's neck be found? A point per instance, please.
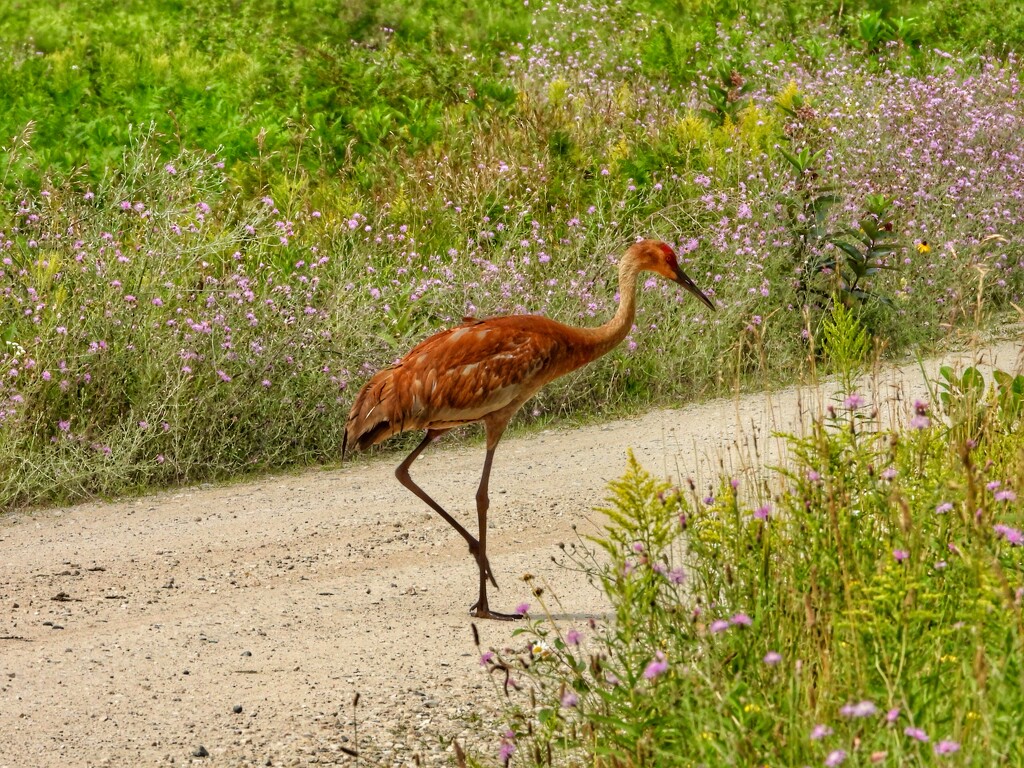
(608, 336)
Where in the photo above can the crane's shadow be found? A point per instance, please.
(600, 618)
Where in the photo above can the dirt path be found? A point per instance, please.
(130, 633)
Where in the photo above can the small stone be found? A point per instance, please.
(237, 709)
(200, 751)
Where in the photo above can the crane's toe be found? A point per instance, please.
(486, 613)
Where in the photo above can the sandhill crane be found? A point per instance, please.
(484, 370)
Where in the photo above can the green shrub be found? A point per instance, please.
(868, 612)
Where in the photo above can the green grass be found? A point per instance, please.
(218, 219)
(862, 606)
(217, 222)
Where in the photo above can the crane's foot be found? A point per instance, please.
(486, 613)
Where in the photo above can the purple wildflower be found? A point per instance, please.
(1012, 535)
(917, 734)
(523, 608)
(772, 658)
(900, 555)
(719, 626)
(892, 715)
(944, 507)
(572, 637)
(920, 421)
(570, 699)
(741, 619)
(657, 666)
(853, 402)
(508, 747)
(946, 747)
(819, 732)
(1005, 495)
(860, 709)
(835, 757)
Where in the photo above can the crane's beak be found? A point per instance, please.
(684, 280)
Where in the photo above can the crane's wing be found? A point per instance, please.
(456, 377)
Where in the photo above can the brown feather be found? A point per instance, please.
(483, 370)
(461, 375)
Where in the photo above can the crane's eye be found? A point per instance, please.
(670, 255)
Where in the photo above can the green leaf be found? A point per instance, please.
(973, 380)
(848, 248)
(792, 159)
(869, 226)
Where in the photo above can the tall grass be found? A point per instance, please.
(863, 607)
(173, 312)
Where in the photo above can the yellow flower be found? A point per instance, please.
(923, 247)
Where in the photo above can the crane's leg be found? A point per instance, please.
(480, 609)
(402, 473)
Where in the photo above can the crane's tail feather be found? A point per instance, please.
(374, 435)
(376, 414)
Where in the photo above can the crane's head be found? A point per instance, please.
(658, 257)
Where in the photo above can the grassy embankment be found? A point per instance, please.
(217, 221)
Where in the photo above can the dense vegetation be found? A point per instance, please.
(217, 219)
(862, 606)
